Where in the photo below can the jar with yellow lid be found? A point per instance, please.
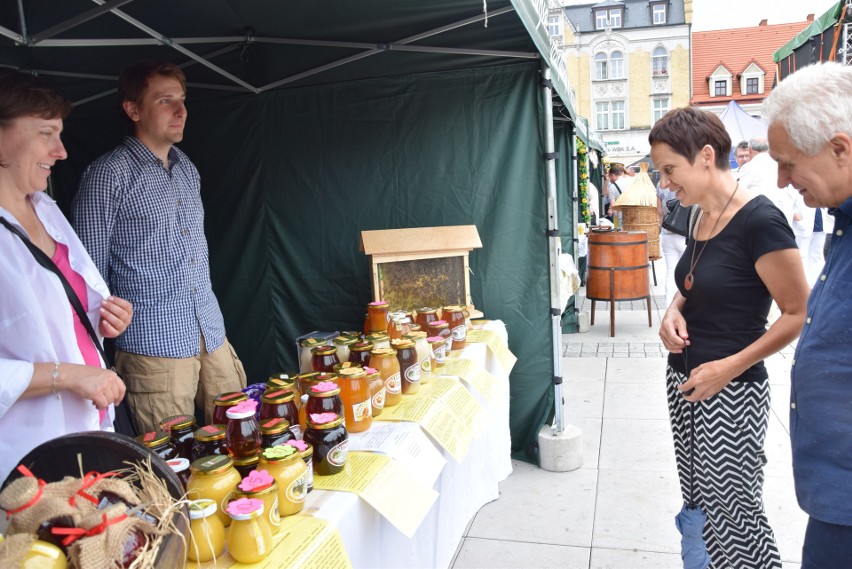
(359, 352)
(425, 314)
(384, 360)
(223, 402)
(378, 339)
(342, 344)
(249, 539)
(306, 353)
(324, 358)
(279, 403)
(330, 440)
(455, 318)
(206, 531)
(355, 395)
(346, 365)
(280, 381)
(306, 452)
(274, 432)
(424, 355)
(409, 368)
(213, 478)
(245, 464)
(43, 555)
(303, 383)
(261, 485)
(209, 440)
(284, 463)
(160, 444)
(180, 429)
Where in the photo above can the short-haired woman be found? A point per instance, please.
(741, 256)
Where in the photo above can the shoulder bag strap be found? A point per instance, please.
(693, 216)
(46, 262)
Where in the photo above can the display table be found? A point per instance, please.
(371, 541)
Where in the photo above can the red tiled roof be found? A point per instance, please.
(736, 49)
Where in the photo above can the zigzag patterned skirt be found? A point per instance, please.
(730, 429)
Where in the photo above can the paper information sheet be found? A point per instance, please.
(401, 499)
(407, 444)
(497, 346)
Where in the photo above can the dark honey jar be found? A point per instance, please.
(223, 402)
(180, 428)
(274, 432)
(209, 441)
(160, 444)
(330, 442)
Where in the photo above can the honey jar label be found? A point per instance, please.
(440, 355)
(412, 374)
(393, 384)
(298, 489)
(379, 399)
(296, 429)
(362, 411)
(337, 454)
(459, 333)
(426, 365)
(274, 515)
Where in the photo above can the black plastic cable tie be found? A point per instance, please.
(557, 380)
(551, 155)
(546, 83)
(556, 312)
(552, 233)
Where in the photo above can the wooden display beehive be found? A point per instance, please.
(425, 266)
(638, 206)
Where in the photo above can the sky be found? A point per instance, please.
(723, 14)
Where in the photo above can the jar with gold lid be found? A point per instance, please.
(306, 453)
(261, 485)
(306, 353)
(180, 428)
(378, 339)
(355, 395)
(284, 463)
(384, 360)
(359, 352)
(275, 431)
(249, 539)
(377, 390)
(245, 464)
(377, 317)
(206, 531)
(281, 381)
(213, 478)
(209, 440)
(324, 358)
(328, 435)
(343, 344)
(424, 315)
(160, 444)
(455, 318)
(409, 368)
(324, 397)
(279, 403)
(223, 402)
(424, 355)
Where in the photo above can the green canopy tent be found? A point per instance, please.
(827, 38)
(310, 123)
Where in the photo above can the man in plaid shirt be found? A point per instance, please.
(139, 214)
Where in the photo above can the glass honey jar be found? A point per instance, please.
(306, 353)
(424, 355)
(343, 344)
(259, 484)
(324, 358)
(377, 317)
(359, 352)
(206, 532)
(328, 435)
(306, 453)
(243, 434)
(279, 403)
(180, 429)
(377, 390)
(424, 315)
(245, 464)
(409, 368)
(355, 395)
(213, 478)
(324, 397)
(455, 318)
(379, 340)
(223, 402)
(281, 381)
(209, 440)
(249, 539)
(384, 360)
(160, 444)
(275, 432)
(438, 346)
(284, 463)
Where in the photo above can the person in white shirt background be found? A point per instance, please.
(760, 175)
(810, 226)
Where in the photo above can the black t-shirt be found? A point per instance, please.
(727, 307)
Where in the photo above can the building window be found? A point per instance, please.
(658, 12)
(554, 26)
(601, 67)
(752, 85)
(660, 107)
(721, 88)
(609, 115)
(616, 65)
(660, 62)
(611, 17)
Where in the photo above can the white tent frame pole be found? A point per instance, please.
(76, 21)
(554, 247)
(171, 43)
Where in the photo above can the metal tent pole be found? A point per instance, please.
(554, 246)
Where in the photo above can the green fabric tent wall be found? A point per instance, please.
(290, 178)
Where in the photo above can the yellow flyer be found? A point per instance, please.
(497, 346)
(437, 419)
(400, 498)
(484, 383)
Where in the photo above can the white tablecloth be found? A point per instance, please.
(463, 488)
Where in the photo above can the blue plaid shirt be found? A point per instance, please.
(143, 225)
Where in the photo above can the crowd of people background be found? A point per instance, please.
(136, 257)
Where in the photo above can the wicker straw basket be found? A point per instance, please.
(643, 218)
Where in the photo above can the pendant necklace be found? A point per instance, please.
(690, 278)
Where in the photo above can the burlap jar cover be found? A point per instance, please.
(103, 536)
(29, 502)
